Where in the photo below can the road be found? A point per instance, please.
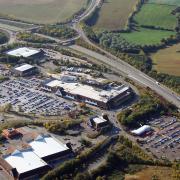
(11, 36)
(58, 40)
(113, 62)
(122, 67)
(90, 9)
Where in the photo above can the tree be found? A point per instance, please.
(6, 108)
(176, 170)
(82, 176)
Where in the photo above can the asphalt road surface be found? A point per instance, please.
(115, 63)
(121, 67)
(11, 36)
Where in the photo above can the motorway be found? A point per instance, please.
(121, 67)
(113, 62)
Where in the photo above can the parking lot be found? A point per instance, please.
(165, 142)
(24, 95)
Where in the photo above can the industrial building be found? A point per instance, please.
(24, 164)
(142, 130)
(26, 52)
(49, 149)
(32, 158)
(25, 70)
(103, 98)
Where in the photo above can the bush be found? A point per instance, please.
(149, 105)
(3, 38)
(58, 31)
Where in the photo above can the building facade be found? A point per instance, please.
(105, 99)
(25, 70)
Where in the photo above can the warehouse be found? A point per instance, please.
(142, 130)
(106, 99)
(49, 148)
(26, 52)
(24, 164)
(25, 70)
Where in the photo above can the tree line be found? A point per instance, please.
(58, 31)
(3, 38)
(32, 38)
(150, 105)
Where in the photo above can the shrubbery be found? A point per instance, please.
(3, 38)
(60, 127)
(58, 31)
(68, 169)
(149, 105)
(32, 38)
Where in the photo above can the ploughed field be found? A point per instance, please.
(168, 60)
(41, 11)
(113, 14)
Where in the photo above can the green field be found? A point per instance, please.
(146, 36)
(41, 11)
(168, 60)
(170, 2)
(113, 14)
(157, 15)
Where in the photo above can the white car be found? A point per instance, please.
(157, 83)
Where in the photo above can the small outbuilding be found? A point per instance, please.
(10, 133)
(99, 122)
(25, 70)
(142, 130)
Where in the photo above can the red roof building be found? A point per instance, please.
(10, 133)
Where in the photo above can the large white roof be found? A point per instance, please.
(46, 145)
(24, 161)
(24, 67)
(141, 130)
(24, 52)
(88, 91)
(99, 120)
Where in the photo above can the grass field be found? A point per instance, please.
(113, 14)
(168, 60)
(146, 36)
(41, 11)
(157, 15)
(149, 173)
(170, 2)
(13, 25)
